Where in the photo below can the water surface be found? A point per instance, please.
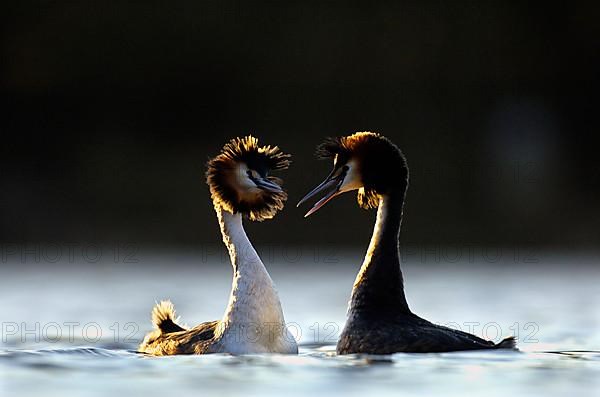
(72, 329)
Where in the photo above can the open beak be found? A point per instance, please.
(267, 185)
(331, 184)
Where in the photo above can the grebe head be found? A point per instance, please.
(239, 178)
(364, 161)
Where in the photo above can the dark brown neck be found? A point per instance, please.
(379, 286)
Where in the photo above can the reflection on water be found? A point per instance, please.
(74, 329)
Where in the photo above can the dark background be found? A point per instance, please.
(110, 110)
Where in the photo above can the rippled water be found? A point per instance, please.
(52, 316)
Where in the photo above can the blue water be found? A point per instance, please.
(552, 306)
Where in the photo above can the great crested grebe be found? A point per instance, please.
(379, 319)
(253, 322)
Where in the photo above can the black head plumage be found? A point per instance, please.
(381, 165)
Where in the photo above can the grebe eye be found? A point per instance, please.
(345, 168)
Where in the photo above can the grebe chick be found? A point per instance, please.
(379, 320)
(253, 322)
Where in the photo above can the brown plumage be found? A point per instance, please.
(222, 175)
(380, 163)
(169, 338)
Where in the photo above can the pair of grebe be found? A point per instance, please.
(379, 318)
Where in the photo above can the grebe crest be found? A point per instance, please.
(364, 161)
(239, 180)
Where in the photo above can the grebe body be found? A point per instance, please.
(253, 321)
(379, 319)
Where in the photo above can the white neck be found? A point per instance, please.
(382, 211)
(253, 321)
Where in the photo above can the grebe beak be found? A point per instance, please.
(332, 184)
(267, 185)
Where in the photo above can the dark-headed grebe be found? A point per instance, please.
(253, 322)
(379, 319)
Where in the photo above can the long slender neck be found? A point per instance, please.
(253, 298)
(379, 286)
